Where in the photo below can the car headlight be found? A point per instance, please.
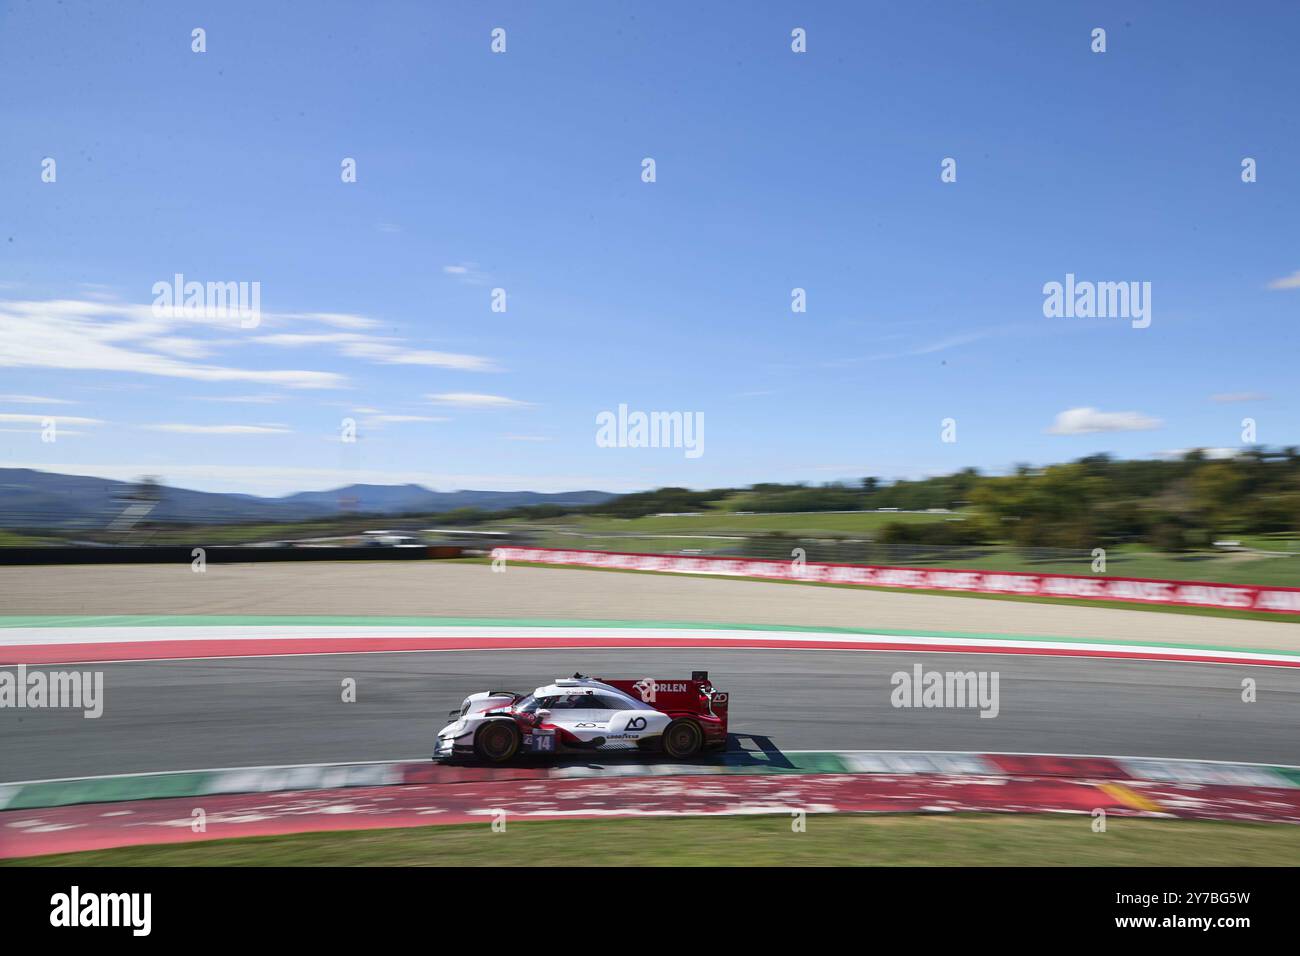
(454, 730)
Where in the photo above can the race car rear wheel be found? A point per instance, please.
(497, 741)
(683, 738)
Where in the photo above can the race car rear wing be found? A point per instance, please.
(677, 696)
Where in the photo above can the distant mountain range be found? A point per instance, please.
(36, 499)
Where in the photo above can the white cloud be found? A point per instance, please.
(339, 320)
(241, 399)
(402, 419)
(34, 400)
(1087, 421)
(59, 419)
(467, 272)
(63, 432)
(1228, 397)
(181, 347)
(1286, 282)
(184, 429)
(390, 354)
(475, 400)
(294, 339)
(385, 351)
(928, 348)
(121, 337)
(951, 342)
(81, 335)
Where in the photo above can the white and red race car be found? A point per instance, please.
(680, 718)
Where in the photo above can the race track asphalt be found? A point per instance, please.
(181, 715)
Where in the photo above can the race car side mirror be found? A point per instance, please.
(542, 714)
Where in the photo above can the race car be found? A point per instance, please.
(680, 718)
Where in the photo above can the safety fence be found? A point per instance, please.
(1093, 588)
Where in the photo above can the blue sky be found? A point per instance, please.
(522, 171)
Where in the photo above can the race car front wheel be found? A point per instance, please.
(683, 738)
(497, 741)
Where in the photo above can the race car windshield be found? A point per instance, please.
(566, 702)
(574, 702)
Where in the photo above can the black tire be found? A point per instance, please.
(497, 741)
(683, 738)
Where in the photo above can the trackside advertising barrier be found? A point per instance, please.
(1095, 588)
